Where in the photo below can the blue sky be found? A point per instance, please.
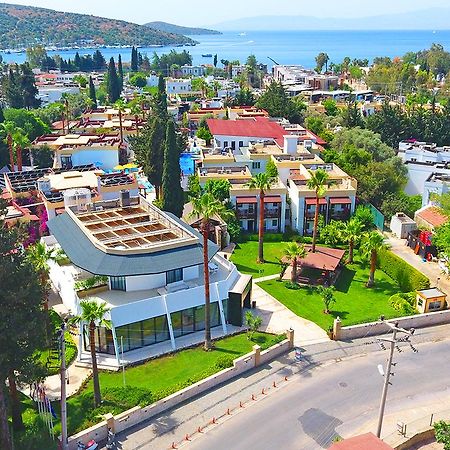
(209, 12)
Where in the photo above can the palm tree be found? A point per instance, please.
(136, 110)
(120, 105)
(39, 255)
(318, 183)
(20, 142)
(351, 232)
(8, 129)
(327, 294)
(263, 182)
(371, 244)
(294, 251)
(93, 313)
(206, 207)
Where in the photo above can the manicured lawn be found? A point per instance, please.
(354, 302)
(145, 384)
(244, 257)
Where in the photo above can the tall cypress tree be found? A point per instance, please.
(77, 61)
(134, 60)
(28, 87)
(92, 94)
(161, 98)
(172, 193)
(113, 85)
(120, 72)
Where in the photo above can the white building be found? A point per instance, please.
(178, 86)
(149, 271)
(435, 185)
(194, 71)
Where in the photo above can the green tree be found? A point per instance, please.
(28, 87)
(215, 60)
(322, 60)
(351, 233)
(93, 314)
(330, 106)
(293, 252)
(271, 169)
(205, 134)
(7, 130)
(138, 79)
(262, 182)
(172, 193)
(253, 323)
(92, 94)
(277, 103)
(442, 433)
(371, 244)
(28, 121)
(161, 99)
(20, 143)
(112, 82)
(219, 189)
(80, 80)
(120, 72)
(39, 255)
(22, 317)
(134, 60)
(327, 295)
(36, 55)
(120, 106)
(207, 207)
(318, 182)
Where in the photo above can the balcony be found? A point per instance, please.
(246, 213)
(272, 213)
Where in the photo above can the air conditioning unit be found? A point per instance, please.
(124, 198)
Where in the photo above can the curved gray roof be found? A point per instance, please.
(84, 254)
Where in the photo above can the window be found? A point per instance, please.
(275, 222)
(172, 276)
(420, 302)
(256, 165)
(118, 283)
(241, 143)
(432, 306)
(225, 144)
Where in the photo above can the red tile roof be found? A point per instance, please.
(257, 127)
(366, 441)
(433, 215)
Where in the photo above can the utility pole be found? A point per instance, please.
(63, 388)
(393, 342)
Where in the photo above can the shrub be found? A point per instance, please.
(292, 286)
(224, 362)
(92, 282)
(268, 237)
(404, 302)
(442, 433)
(408, 278)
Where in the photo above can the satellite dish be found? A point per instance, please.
(381, 370)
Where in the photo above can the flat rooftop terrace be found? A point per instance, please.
(131, 229)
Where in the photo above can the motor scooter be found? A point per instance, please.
(111, 440)
(91, 445)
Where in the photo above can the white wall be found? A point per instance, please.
(143, 282)
(190, 273)
(108, 158)
(137, 311)
(115, 195)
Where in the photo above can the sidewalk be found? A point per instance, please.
(277, 318)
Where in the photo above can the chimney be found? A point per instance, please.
(290, 144)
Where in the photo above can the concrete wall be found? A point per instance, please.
(143, 282)
(377, 328)
(137, 414)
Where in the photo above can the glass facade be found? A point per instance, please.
(193, 319)
(139, 334)
(174, 275)
(151, 331)
(118, 283)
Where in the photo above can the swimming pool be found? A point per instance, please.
(187, 164)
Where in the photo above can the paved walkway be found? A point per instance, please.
(277, 318)
(429, 269)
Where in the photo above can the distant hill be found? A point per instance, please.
(171, 28)
(426, 19)
(21, 26)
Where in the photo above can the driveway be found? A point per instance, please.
(277, 319)
(429, 269)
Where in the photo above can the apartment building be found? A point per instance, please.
(150, 267)
(104, 150)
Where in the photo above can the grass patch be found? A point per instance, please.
(245, 254)
(145, 384)
(354, 302)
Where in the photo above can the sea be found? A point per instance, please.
(284, 47)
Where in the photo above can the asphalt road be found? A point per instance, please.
(310, 411)
(335, 389)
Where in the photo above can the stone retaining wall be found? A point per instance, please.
(136, 415)
(376, 328)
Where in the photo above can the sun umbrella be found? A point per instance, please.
(119, 167)
(130, 166)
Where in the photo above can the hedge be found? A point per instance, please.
(408, 278)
